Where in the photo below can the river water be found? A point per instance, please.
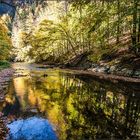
(77, 108)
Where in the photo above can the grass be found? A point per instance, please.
(4, 64)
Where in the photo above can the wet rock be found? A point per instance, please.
(129, 72)
(122, 72)
(112, 69)
(102, 69)
(95, 65)
(137, 73)
(107, 69)
(93, 69)
(34, 110)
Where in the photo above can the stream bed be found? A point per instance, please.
(51, 104)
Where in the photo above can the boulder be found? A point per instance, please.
(137, 73)
(112, 69)
(7, 9)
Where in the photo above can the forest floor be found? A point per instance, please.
(5, 77)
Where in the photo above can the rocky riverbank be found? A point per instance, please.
(121, 64)
(115, 70)
(5, 77)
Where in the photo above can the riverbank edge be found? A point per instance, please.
(5, 77)
(121, 63)
(105, 69)
(114, 67)
(107, 77)
(101, 73)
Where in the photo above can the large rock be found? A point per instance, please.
(7, 9)
(33, 128)
(137, 73)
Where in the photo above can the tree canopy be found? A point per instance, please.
(5, 41)
(74, 27)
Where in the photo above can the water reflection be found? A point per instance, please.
(31, 129)
(77, 109)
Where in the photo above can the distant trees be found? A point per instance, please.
(77, 27)
(135, 26)
(5, 41)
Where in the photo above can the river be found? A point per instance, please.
(77, 108)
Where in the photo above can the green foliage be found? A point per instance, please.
(83, 26)
(5, 42)
(4, 64)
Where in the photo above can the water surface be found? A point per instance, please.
(78, 108)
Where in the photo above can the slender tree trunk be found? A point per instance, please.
(139, 26)
(66, 6)
(66, 11)
(118, 24)
(134, 34)
(81, 36)
(108, 25)
(103, 39)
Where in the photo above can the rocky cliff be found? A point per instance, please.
(7, 7)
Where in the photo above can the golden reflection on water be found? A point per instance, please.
(38, 93)
(76, 109)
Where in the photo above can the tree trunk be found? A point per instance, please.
(118, 24)
(139, 26)
(134, 34)
(108, 24)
